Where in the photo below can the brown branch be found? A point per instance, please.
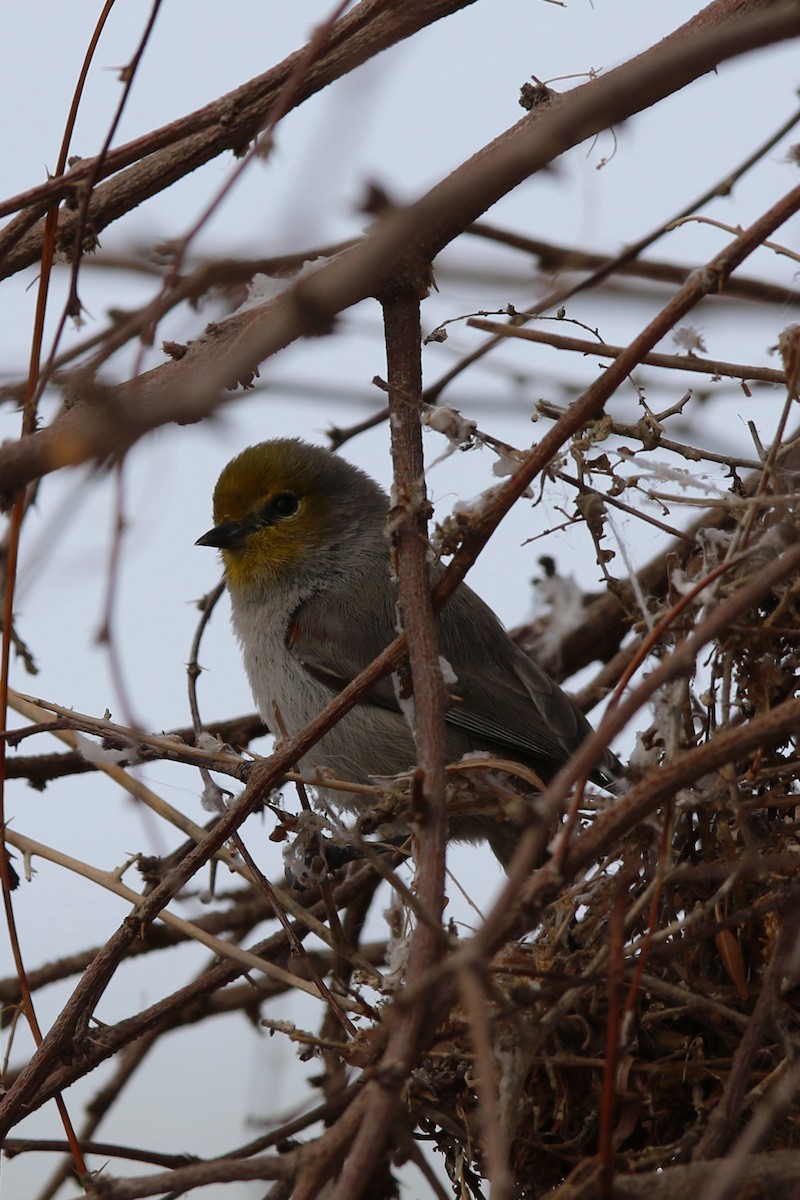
(103, 1100)
(50, 1073)
(524, 895)
(41, 769)
(774, 1106)
(607, 620)
(725, 747)
(15, 1146)
(286, 1130)
(264, 776)
(553, 257)
(723, 1123)
(608, 266)
(774, 1175)
(246, 912)
(400, 246)
(590, 405)
(650, 433)
(672, 362)
(183, 1179)
(494, 1134)
(228, 124)
(408, 523)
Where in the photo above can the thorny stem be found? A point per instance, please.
(401, 242)
(672, 362)
(601, 268)
(579, 855)
(408, 522)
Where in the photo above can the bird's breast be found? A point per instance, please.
(276, 677)
(367, 741)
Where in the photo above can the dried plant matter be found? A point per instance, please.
(622, 1019)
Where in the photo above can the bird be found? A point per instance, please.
(302, 535)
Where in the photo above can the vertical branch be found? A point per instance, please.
(408, 520)
(409, 532)
(616, 968)
(723, 1123)
(494, 1131)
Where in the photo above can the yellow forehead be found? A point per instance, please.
(272, 550)
(257, 475)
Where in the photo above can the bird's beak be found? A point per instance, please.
(228, 535)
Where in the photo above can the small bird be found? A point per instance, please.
(307, 566)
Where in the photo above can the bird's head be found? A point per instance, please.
(285, 511)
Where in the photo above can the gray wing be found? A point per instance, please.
(506, 700)
(502, 701)
(335, 643)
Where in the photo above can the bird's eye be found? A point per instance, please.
(285, 504)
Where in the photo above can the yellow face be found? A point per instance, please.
(270, 506)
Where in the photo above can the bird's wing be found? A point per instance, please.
(503, 697)
(501, 700)
(334, 643)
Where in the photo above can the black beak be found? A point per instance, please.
(228, 535)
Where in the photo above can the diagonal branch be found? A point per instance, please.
(108, 421)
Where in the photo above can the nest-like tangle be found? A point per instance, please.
(649, 1001)
(644, 1017)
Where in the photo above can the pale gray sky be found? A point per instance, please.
(404, 121)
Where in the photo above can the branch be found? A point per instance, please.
(672, 362)
(228, 124)
(109, 421)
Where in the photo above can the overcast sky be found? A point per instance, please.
(404, 122)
